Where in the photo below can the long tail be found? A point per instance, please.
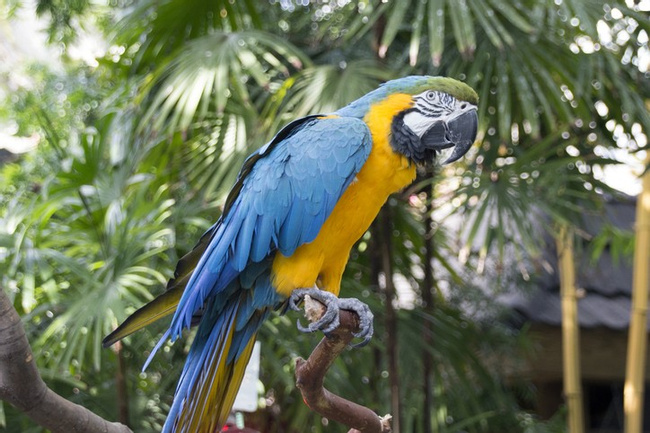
(215, 366)
(162, 306)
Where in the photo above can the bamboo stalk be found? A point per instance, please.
(638, 335)
(570, 331)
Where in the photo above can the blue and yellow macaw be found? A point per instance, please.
(297, 208)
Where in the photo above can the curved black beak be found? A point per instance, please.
(458, 132)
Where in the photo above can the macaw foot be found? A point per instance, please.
(330, 320)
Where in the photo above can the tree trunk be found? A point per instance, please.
(385, 229)
(374, 259)
(21, 384)
(120, 379)
(429, 306)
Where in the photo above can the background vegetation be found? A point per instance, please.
(139, 147)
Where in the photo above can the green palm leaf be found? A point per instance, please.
(206, 72)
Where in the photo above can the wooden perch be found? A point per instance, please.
(21, 384)
(310, 375)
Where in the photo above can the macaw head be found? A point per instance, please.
(431, 114)
(443, 115)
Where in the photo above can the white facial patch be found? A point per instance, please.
(431, 107)
(418, 122)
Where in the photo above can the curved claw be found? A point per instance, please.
(329, 321)
(366, 334)
(302, 328)
(366, 329)
(295, 299)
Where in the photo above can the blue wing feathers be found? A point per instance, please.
(285, 193)
(263, 238)
(242, 245)
(291, 230)
(245, 310)
(342, 153)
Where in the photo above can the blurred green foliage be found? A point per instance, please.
(138, 151)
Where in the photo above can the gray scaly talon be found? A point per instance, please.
(366, 317)
(330, 320)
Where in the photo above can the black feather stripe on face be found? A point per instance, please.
(405, 142)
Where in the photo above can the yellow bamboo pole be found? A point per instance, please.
(570, 331)
(638, 335)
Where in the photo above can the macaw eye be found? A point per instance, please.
(431, 95)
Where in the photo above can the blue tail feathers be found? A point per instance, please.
(219, 354)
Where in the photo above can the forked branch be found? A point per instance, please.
(310, 375)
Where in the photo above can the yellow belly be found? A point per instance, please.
(322, 261)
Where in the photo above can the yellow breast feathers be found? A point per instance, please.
(322, 261)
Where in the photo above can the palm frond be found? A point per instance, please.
(204, 74)
(323, 89)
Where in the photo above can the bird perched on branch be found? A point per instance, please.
(297, 208)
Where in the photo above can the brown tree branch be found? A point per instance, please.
(22, 386)
(310, 375)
